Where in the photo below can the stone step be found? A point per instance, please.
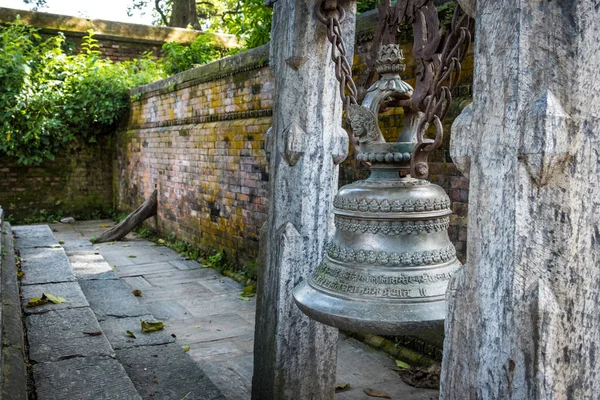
(158, 367)
(71, 356)
(13, 376)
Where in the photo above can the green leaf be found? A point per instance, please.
(52, 298)
(244, 298)
(36, 301)
(151, 326)
(402, 364)
(131, 334)
(186, 348)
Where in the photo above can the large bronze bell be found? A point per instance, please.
(388, 264)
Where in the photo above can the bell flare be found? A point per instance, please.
(393, 318)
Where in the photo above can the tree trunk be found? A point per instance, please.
(143, 212)
(523, 318)
(183, 13)
(294, 356)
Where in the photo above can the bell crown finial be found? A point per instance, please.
(389, 59)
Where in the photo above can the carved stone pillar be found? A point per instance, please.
(523, 319)
(295, 357)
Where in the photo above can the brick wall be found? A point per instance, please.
(198, 137)
(78, 182)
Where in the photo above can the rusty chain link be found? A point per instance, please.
(332, 14)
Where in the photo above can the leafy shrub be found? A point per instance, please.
(179, 57)
(49, 98)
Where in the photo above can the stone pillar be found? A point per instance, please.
(295, 357)
(523, 319)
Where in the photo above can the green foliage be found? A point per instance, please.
(219, 261)
(180, 57)
(250, 21)
(366, 5)
(49, 98)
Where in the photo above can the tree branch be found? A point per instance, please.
(163, 17)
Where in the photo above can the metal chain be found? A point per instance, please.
(331, 14)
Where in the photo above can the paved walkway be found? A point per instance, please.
(203, 310)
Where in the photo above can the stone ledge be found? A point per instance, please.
(113, 30)
(12, 358)
(246, 61)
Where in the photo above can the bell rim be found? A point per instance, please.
(353, 314)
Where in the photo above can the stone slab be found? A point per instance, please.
(215, 327)
(167, 372)
(137, 270)
(89, 265)
(221, 285)
(176, 277)
(233, 376)
(168, 309)
(189, 290)
(183, 265)
(58, 335)
(22, 241)
(70, 291)
(38, 231)
(77, 245)
(14, 374)
(137, 282)
(45, 265)
(83, 378)
(111, 298)
(116, 329)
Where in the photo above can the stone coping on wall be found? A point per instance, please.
(246, 61)
(113, 30)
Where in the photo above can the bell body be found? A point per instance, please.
(388, 264)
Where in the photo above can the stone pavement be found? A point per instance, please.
(203, 310)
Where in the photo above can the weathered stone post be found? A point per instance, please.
(295, 357)
(523, 319)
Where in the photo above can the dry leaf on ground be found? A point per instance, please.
(129, 333)
(137, 293)
(152, 326)
(377, 393)
(342, 387)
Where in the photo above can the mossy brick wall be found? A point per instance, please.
(199, 135)
(118, 41)
(78, 182)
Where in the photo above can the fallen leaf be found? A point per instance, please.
(197, 326)
(126, 245)
(53, 299)
(186, 396)
(152, 326)
(342, 387)
(402, 364)
(137, 293)
(377, 393)
(110, 243)
(20, 274)
(244, 298)
(132, 257)
(221, 280)
(61, 242)
(186, 348)
(36, 301)
(104, 226)
(129, 333)
(248, 291)
(113, 266)
(97, 333)
(161, 241)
